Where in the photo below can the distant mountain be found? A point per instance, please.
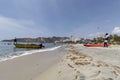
(39, 39)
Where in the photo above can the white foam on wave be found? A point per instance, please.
(30, 52)
(41, 50)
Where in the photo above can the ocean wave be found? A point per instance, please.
(28, 53)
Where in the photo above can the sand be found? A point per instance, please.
(29, 66)
(78, 63)
(82, 63)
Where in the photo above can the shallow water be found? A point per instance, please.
(7, 49)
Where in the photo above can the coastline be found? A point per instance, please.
(70, 62)
(28, 66)
(29, 53)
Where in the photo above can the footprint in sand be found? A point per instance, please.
(95, 74)
(82, 77)
(79, 76)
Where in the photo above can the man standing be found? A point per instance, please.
(106, 38)
(15, 41)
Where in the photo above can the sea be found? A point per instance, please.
(9, 51)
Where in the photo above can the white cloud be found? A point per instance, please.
(116, 30)
(10, 28)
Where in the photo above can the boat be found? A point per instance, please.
(95, 45)
(28, 46)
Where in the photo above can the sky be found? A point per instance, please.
(47, 18)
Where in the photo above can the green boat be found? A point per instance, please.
(18, 45)
(28, 46)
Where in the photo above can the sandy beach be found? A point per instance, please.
(71, 62)
(83, 63)
(29, 66)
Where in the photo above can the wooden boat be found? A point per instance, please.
(95, 45)
(28, 46)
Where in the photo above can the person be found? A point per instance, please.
(41, 45)
(106, 38)
(15, 41)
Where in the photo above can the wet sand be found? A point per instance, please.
(29, 66)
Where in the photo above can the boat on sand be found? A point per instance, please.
(95, 45)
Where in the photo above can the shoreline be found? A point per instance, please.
(28, 66)
(70, 62)
(29, 53)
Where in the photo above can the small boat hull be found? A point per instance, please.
(28, 46)
(95, 45)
